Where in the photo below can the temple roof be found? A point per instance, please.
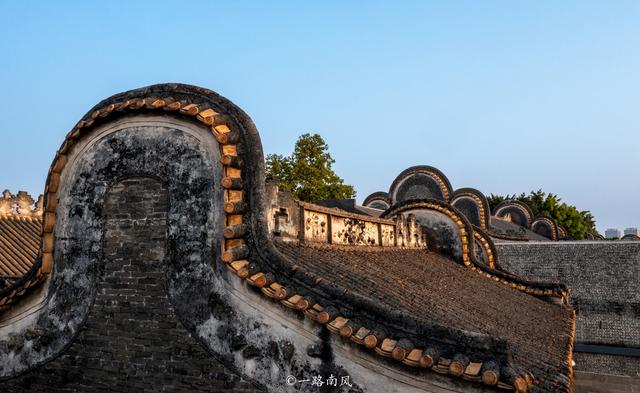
(529, 333)
(453, 315)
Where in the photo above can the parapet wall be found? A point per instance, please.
(604, 279)
(289, 218)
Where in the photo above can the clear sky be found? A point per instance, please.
(502, 96)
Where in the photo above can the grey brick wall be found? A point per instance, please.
(132, 340)
(605, 290)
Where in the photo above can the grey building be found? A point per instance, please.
(612, 233)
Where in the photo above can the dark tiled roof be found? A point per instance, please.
(438, 291)
(349, 205)
(19, 244)
(371, 211)
(503, 229)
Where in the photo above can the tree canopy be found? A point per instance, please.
(577, 223)
(308, 172)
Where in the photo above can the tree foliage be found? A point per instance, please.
(577, 223)
(307, 173)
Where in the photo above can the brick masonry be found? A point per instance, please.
(603, 277)
(132, 340)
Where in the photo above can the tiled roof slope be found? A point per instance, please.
(503, 229)
(439, 292)
(19, 244)
(20, 237)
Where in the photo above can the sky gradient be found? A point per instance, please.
(503, 96)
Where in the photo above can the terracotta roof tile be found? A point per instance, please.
(19, 244)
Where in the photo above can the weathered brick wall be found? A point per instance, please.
(132, 340)
(604, 278)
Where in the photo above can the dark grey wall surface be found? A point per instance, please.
(605, 290)
(132, 340)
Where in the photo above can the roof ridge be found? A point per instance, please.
(18, 217)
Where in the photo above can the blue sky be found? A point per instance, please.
(502, 96)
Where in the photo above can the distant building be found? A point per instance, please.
(632, 231)
(612, 233)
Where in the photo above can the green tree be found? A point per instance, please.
(576, 222)
(307, 173)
